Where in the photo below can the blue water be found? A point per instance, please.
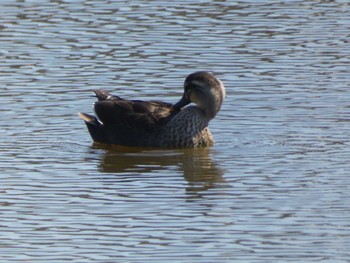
(274, 187)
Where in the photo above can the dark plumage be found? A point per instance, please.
(156, 123)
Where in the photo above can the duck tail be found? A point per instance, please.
(88, 118)
(94, 126)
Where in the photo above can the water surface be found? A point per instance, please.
(274, 187)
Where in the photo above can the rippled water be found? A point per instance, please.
(275, 187)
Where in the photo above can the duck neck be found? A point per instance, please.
(210, 109)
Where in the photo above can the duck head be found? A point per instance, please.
(205, 90)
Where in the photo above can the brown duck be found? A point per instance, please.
(156, 123)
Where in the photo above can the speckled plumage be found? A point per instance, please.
(155, 123)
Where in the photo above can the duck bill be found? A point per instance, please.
(181, 103)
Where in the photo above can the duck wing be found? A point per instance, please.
(132, 114)
(105, 95)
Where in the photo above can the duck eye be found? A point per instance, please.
(194, 85)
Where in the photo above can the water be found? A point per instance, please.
(275, 187)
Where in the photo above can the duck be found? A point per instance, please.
(157, 124)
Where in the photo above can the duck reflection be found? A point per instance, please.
(196, 165)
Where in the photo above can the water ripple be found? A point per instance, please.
(274, 186)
